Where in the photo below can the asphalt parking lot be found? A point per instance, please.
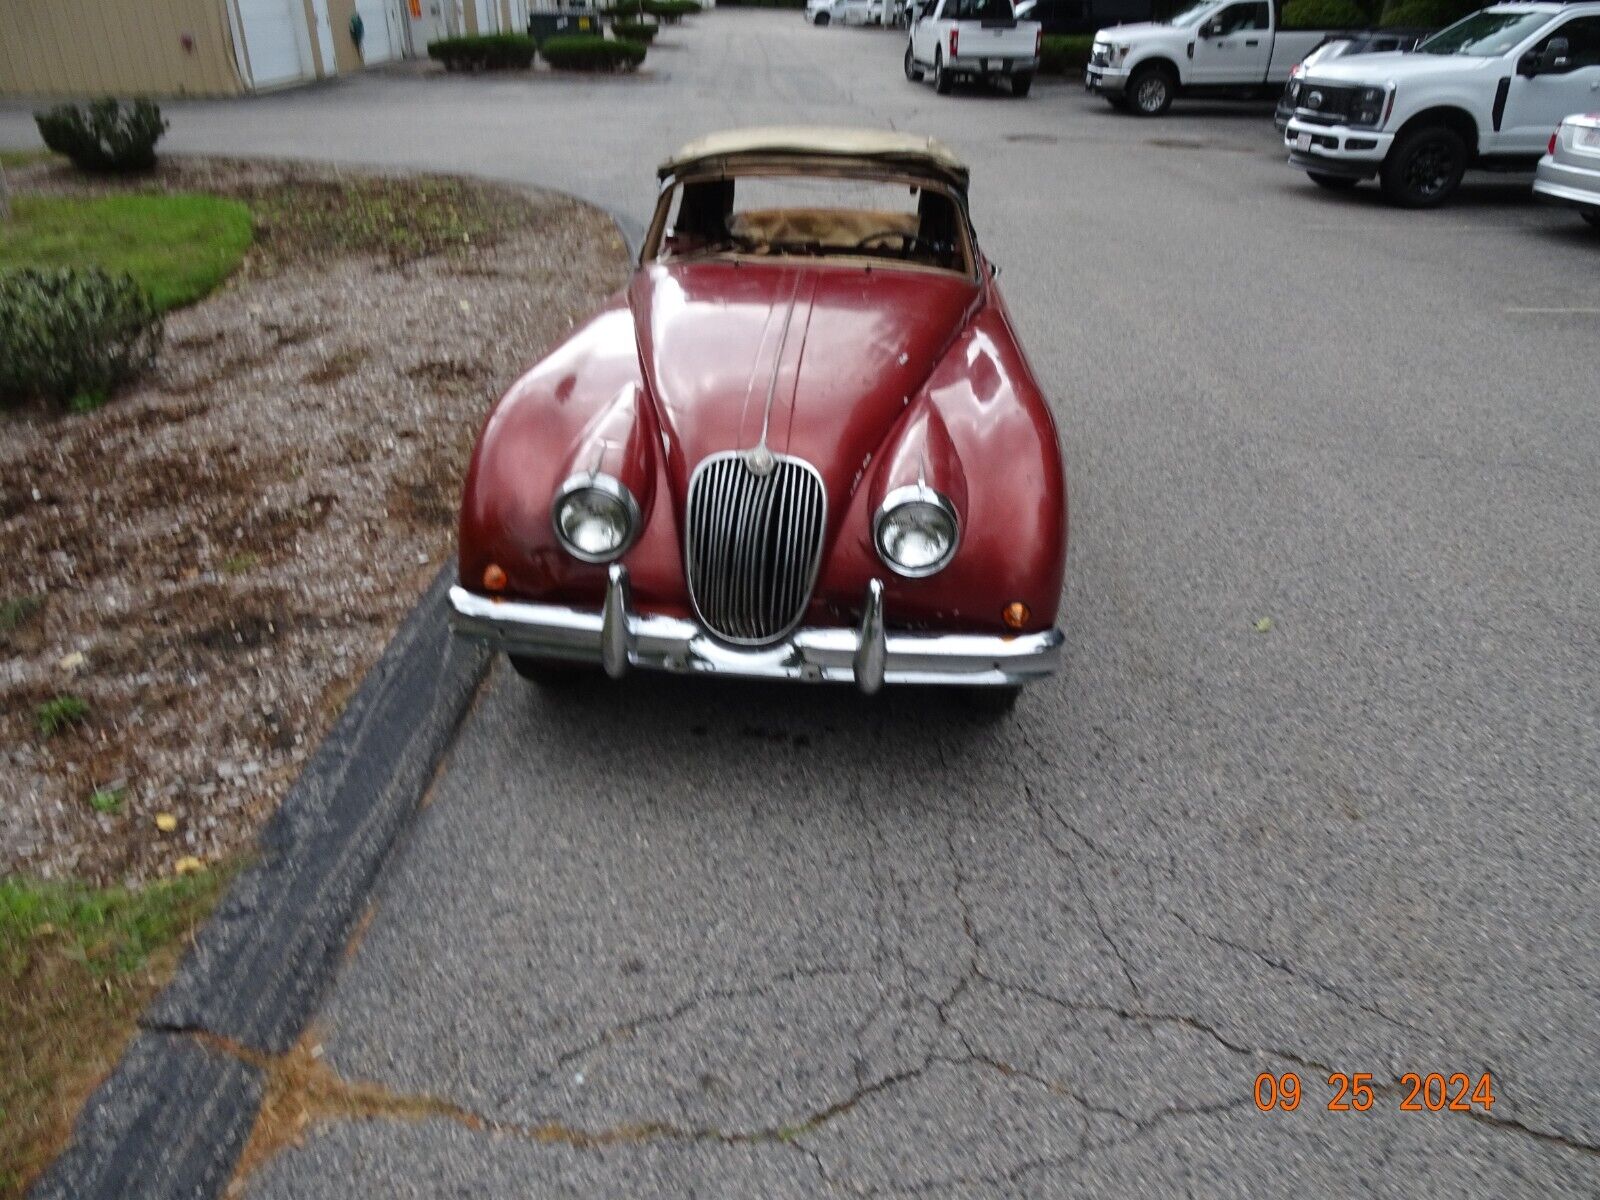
(669, 938)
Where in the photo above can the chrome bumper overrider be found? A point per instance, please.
(618, 638)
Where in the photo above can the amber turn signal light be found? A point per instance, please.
(494, 578)
(1016, 614)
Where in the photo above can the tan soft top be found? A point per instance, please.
(922, 154)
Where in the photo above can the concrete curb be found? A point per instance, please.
(172, 1118)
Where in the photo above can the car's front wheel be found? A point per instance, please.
(913, 72)
(1425, 167)
(547, 673)
(1151, 89)
(941, 77)
(823, 18)
(1591, 215)
(1334, 183)
(1021, 85)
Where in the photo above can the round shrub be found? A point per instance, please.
(73, 334)
(670, 11)
(1324, 14)
(104, 135)
(491, 52)
(590, 52)
(640, 32)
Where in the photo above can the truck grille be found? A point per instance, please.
(1333, 105)
(753, 544)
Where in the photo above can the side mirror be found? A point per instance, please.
(1211, 29)
(1557, 56)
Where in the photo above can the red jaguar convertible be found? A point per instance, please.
(803, 444)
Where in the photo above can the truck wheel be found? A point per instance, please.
(823, 18)
(1150, 90)
(545, 672)
(1021, 85)
(1591, 215)
(1425, 167)
(941, 78)
(913, 72)
(1334, 183)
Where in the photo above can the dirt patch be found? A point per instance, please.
(212, 560)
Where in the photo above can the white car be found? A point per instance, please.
(845, 12)
(1484, 93)
(972, 39)
(1569, 173)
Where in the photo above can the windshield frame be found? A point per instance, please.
(1522, 24)
(864, 171)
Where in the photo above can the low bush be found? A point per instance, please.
(1061, 54)
(1425, 14)
(639, 32)
(72, 335)
(492, 52)
(590, 52)
(1324, 14)
(670, 11)
(104, 135)
(761, 3)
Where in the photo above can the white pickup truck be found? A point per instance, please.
(1486, 92)
(972, 39)
(1215, 48)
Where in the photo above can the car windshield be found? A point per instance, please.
(794, 216)
(1484, 34)
(1192, 15)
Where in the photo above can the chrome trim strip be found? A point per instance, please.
(813, 654)
(615, 637)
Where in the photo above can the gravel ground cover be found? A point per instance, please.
(199, 572)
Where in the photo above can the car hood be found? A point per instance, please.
(840, 350)
(1373, 70)
(1122, 33)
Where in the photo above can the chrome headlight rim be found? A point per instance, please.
(607, 485)
(900, 497)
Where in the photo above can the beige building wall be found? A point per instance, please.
(347, 57)
(117, 47)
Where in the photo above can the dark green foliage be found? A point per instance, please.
(639, 32)
(670, 11)
(590, 52)
(104, 135)
(761, 3)
(73, 334)
(493, 52)
(1058, 55)
(1325, 14)
(1425, 14)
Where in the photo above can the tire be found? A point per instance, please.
(1150, 90)
(823, 18)
(544, 672)
(913, 72)
(1425, 167)
(1591, 215)
(1021, 85)
(991, 703)
(1334, 183)
(1120, 103)
(941, 79)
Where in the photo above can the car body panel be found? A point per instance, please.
(1570, 174)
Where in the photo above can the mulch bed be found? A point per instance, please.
(212, 560)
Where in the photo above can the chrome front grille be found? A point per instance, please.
(752, 545)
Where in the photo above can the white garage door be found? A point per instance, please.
(276, 40)
(380, 41)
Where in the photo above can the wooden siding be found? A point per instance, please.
(125, 48)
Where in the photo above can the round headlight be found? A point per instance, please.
(595, 517)
(915, 531)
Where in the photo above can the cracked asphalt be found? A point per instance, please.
(677, 939)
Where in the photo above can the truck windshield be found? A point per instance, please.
(1192, 15)
(1484, 34)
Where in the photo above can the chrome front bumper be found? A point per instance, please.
(617, 638)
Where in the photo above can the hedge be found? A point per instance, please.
(1425, 14)
(761, 3)
(641, 32)
(492, 52)
(1059, 55)
(1324, 14)
(590, 52)
(104, 135)
(670, 11)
